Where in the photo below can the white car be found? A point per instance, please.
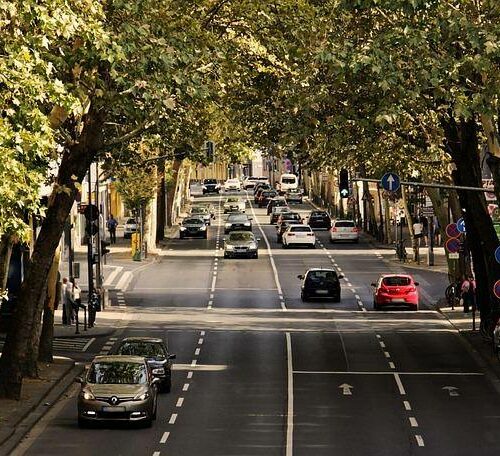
(344, 230)
(234, 204)
(299, 235)
(131, 226)
(232, 184)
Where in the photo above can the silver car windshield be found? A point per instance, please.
(241, 237)
(117, 373)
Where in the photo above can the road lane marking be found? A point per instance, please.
(200, 341)
(190, 374)
(400, 384)
(185, 387)
(164, 437)
(407, 405)
(180, 401)
(465, 374)
(211, 296)
(378, 336)
(156, 453)
(202, 333)
(420, 440)
(87, 345)
(113, 338)
(382, 344)
(124, 281)
(413, 421)
(197, 352)
(112, 276)
(172, 419)
(289, 416)
(391, 365)
(193, 363)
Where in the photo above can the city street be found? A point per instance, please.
(259, 372)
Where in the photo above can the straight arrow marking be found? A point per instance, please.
(346, 389)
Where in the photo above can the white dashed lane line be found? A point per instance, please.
(407, 405)
(190, 374)
(185, 387)
(180, 401)
(164, 437)
(173, 418)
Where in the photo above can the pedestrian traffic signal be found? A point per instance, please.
(344, 183)
(104, 247)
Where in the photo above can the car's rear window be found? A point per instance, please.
(396, 281)
(238, 236)
(288, 180)
(329, 276)
(210, 181)
(131, 221)
(344, 224)
(146, 349)
(300, 229)
(319, 214)
(237, 218)
(290, 216)
(193, 221)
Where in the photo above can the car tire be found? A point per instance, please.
(256, 255)
(205, 236)
(83, 423)
(375, 306)
(153, 416)
(148, 422)
(336, 298)
(181, 236)
(312, 246)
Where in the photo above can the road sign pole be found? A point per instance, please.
(430, 247)
(89, 244)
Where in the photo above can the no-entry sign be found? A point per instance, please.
(452, 230)
(452, 245)
(496, 289)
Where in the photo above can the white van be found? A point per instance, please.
(288, 182)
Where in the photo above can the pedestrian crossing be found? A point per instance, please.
(76, 344)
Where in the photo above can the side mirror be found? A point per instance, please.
(340, 276)
(416, 284)
(257, 239)
(300, 276)
(373, 284)
(172, 356)
(79, 380)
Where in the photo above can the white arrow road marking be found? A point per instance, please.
(346, 389)
(452, 390)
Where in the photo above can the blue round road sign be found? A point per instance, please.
(461, 225)
(497, 254)
(496, 289)
(390, 182)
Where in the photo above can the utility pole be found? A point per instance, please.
(90, 262)
(98, 279)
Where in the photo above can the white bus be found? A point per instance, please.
(288, 182)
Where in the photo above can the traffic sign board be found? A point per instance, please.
(452, 230)
(390, 182)
(461, 225)
(497, 254)
(496, 289)
(427, 211)
(452, 245)
(454, 256)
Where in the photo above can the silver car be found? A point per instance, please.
(241, 243)
(201, 212)
(117, 388)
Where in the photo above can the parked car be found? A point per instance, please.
(238, 222)
(344, 230)
(275, 202)
(201, 212)
(234, 204)
(241, 243)
(265, 197)
(277, 211)
(193, 227)
(210, 186)
(294, 195)
(299, 235)
(395, 290)
(131, 226)
(319, 219)
(320, 283)
(283, 226)
(232, 184)
(156, 353)
(118, 388)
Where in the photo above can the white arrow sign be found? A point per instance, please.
(390, 180)
(346, 389)
(452, 390)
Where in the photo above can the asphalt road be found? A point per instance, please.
(259, 372)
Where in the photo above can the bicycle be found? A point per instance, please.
(452, 294)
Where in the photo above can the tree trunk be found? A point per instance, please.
(52, 298)
(409, 222)
(160, 204)
(172, 187)
(5, 251)
(493, 159)
(462, 142)
(74, 165)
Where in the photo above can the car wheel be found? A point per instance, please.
(153, 416)
(148, 422)
(375, 306)
(226, 256)
(283, 245)
(414, 308)
(181, 236)
(256, 255)
(312, 246)
(332, 241)
(205, 236)
(336, 298)
(83, 423)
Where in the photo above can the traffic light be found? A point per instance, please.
(91, 228)
(344, 183)
(91, 213)
(210, 151)
(104, 247)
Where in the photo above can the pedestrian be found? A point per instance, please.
(111, 225)
(67, 300)
(467, 294)
(94, 306)
(425, 230)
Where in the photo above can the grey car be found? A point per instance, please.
(156, 353)
(241, 243)
(117, 388)
(201, 212)
(238, 222)
(193, 226)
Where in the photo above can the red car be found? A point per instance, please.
(394, 290)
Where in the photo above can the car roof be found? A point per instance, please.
(119, 358)
(142, 339)
(344, 220)
(321, 269)
(409, 276)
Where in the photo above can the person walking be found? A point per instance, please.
(112, 224)
(67, 300)
(467, 293)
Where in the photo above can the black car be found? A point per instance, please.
(238, 222)
(241, 244)
(281, 228)
(156, 353)
(261, 186)
(193, 226)
(275, 202)
(210, 186)
(320, 219)
(320, 283)
(265, 196)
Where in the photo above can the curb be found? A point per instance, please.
(38, 410)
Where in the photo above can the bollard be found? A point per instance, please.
(85, 318)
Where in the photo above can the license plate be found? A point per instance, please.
(322, 292)
(113, 409)
(397, 300)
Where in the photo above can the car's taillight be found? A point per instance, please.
(355, 229)
(333, 229)
(411, 290)
(291, 234)
(310, 234)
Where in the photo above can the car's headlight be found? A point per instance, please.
(183, 228)
(247, 223)
(142, 396)
(253, 246)
(203, 228)
(87, 395)
(204, 187)
(228, 225)
(229, 247)
(158, 371)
